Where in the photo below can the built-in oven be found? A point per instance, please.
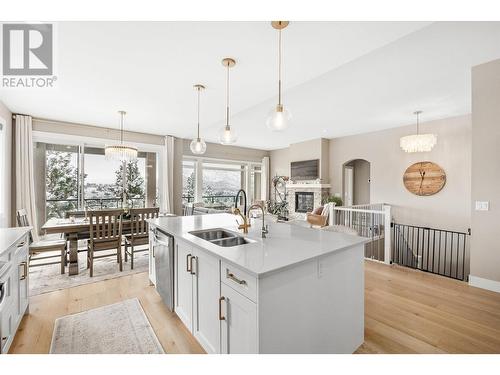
(163, 247)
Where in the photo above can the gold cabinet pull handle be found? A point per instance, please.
(231, 276)
(188, 262)
(191, 265)
(21, 244)
(220, 308)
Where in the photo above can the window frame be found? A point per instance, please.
(82, 142)
(247, 167)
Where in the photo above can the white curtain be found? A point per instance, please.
(264, 178)
(167, 196)
(25, 183)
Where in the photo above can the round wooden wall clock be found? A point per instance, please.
(424, 178)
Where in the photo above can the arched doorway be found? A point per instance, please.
(356, 182)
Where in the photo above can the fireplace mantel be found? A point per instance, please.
(308, 186)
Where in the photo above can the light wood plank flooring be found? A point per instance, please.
(406, 311)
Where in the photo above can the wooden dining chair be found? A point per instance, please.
(43, 245)
(138, 231)
(105, 228)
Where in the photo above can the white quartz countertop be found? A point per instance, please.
(285, 245)
(9, 236)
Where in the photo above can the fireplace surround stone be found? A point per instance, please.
(320, 193)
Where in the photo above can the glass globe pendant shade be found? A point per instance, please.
(227, 135)
(198, 146)
(418, 142)
(279, 119)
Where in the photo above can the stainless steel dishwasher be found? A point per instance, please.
(163, 247)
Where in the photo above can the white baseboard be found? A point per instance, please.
(479, 282)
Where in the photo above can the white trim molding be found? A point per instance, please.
(479, 282)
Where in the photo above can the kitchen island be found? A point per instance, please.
(299, 290)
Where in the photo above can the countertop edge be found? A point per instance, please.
(22, 231)
(253, 273)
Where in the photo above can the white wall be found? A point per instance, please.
(485, 247)
(448, 209)
(6, 173)
(308, 150)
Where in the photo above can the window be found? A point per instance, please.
(61, 178)
(188, 181)
(75, 177)
(103, 180)
(219, 181)
(255, 185)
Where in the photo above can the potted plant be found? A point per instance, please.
(333, 199)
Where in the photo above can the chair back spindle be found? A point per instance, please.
(138, 224)
(105, 224)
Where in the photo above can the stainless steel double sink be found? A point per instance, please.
(221, 237)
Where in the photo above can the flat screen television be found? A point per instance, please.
(304, 170)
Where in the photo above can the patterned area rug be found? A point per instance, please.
(120, 328)
(46, 279)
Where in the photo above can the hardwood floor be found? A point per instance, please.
(406, 311)
(35, 332)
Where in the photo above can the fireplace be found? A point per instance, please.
(304, 201)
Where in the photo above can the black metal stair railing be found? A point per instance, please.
(438, 251)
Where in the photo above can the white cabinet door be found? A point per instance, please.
(152, 275)
(183, 284)
(239, 327)
(206, 287)
(7, 322)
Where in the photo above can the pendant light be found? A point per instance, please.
(418, 142)
(121, 152)
(198, 145)
(227, 135)
(279, 118)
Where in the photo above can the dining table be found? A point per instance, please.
(74, 229)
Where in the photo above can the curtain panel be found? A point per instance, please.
(25, 182)
(167, 198)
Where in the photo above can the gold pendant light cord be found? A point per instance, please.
(227, 98)
(279, 67)
(198, 137)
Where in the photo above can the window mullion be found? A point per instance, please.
(198, 191)
(81, 176)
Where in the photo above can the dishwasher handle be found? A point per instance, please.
(161, 243)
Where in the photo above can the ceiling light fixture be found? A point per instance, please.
(227, 135)
(418, 142)
(121, 152)
(198, 145)
(279, 117)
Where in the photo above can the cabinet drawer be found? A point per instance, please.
(239, 280)
(22, 249)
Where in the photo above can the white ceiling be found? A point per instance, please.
(339, 77)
